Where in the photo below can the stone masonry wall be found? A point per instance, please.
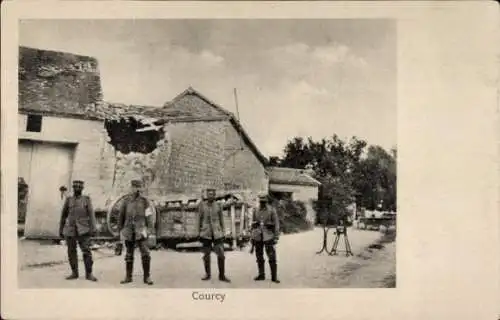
(194, 156)
(196, 160)
(242, 169)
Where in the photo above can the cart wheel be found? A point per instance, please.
(112, 218)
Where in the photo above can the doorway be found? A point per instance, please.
(45, 168)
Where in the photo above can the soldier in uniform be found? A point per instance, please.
(265, 234)
(77, 225)
(211, 231)
(135, 224)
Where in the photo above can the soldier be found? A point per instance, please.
(265, 234)
(135, 224)
(211, 231)
(77, 225)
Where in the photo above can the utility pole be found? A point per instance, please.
(236, 102)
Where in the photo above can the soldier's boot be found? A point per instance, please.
(87, 260)
(208, 273)
(262, 274)
(274, 272)
(222, 269)
(72, 276)
(146, 267)
(129, 267)
(73, 263)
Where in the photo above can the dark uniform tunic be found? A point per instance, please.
(265, 233)
(211, 228)
(78, 218)
(134, 225)
(77, 224)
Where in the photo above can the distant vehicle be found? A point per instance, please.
(375, 220)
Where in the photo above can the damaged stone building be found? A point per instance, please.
(199, 145)
(66, 131)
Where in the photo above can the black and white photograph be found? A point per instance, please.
(250, 160)
(207, 153)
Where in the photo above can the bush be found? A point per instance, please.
(292, 216)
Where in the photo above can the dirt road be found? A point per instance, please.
(299, 267)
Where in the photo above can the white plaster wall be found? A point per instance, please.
(93, 159)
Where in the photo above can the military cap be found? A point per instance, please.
(136, 183)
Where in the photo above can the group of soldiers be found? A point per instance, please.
(136, 224)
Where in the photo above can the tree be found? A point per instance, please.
(334, 163)
(297, 154)
(346, 175)
(376, 179)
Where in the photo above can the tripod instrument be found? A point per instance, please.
(341, 231)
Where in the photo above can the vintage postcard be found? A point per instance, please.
(194, 158)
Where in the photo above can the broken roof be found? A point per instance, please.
(190, 105)
(58, 83)
(69, 85)
(279, 175)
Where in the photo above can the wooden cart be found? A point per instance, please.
(178, 220)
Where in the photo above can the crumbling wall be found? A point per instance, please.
(188, 157)
(138, 155)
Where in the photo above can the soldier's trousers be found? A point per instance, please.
(130, 248)
(268, 246)
(218, 247)
(84, 242)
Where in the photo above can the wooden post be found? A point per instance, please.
(233, 226)
(242, 219)
(250, 217)
(184, 205)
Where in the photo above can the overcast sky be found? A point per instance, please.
(294, 77)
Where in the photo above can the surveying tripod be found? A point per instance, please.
(341, 231)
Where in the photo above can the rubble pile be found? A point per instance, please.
(139, 154)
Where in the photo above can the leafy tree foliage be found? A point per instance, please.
(350, 172)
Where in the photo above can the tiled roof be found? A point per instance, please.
(109, 111)
(292, 176)
(194, 103)
(58, 82)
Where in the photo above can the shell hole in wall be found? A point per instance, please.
(123, 136)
